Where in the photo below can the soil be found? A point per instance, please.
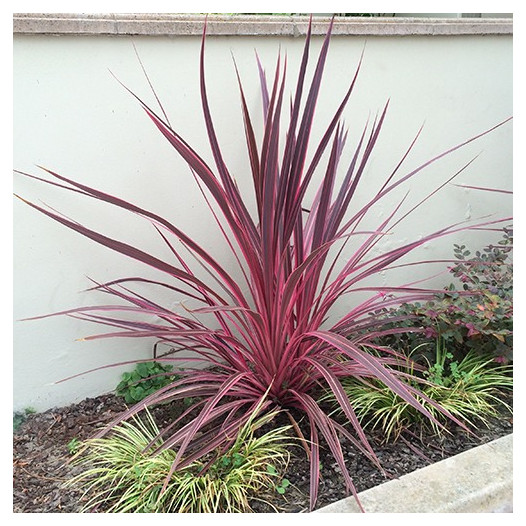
(40, 458)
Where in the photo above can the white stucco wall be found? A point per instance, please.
(71, 116)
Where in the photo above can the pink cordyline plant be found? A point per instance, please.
(272, 333)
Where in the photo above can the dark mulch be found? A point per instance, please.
(40, 455)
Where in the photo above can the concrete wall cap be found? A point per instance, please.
(163, 24)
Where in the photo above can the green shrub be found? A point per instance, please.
(122, 473)
(475, 315)
(145, 379)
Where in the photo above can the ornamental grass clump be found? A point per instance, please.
(119, 475)
(471, 390)
(273, 328)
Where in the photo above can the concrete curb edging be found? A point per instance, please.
(479, 480)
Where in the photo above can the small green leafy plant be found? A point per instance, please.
(283, 484)
(444, 371)
(73, 445)
(20, 417)
(145, 379)
(126, 472)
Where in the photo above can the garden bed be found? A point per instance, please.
(40, 455)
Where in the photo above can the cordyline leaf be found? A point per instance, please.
(484, 188)
(264, 88)
(314, 463)
(121, 247)
(228, 429)
(203, 417)
(268, 346)
(234, 197)
(133, 208)
(251, 145)
(374, 366)
(319, 419)
(137, 279)
(341, 397)
(114, 364)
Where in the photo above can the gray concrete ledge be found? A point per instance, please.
(477, 481)
(162, 24)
